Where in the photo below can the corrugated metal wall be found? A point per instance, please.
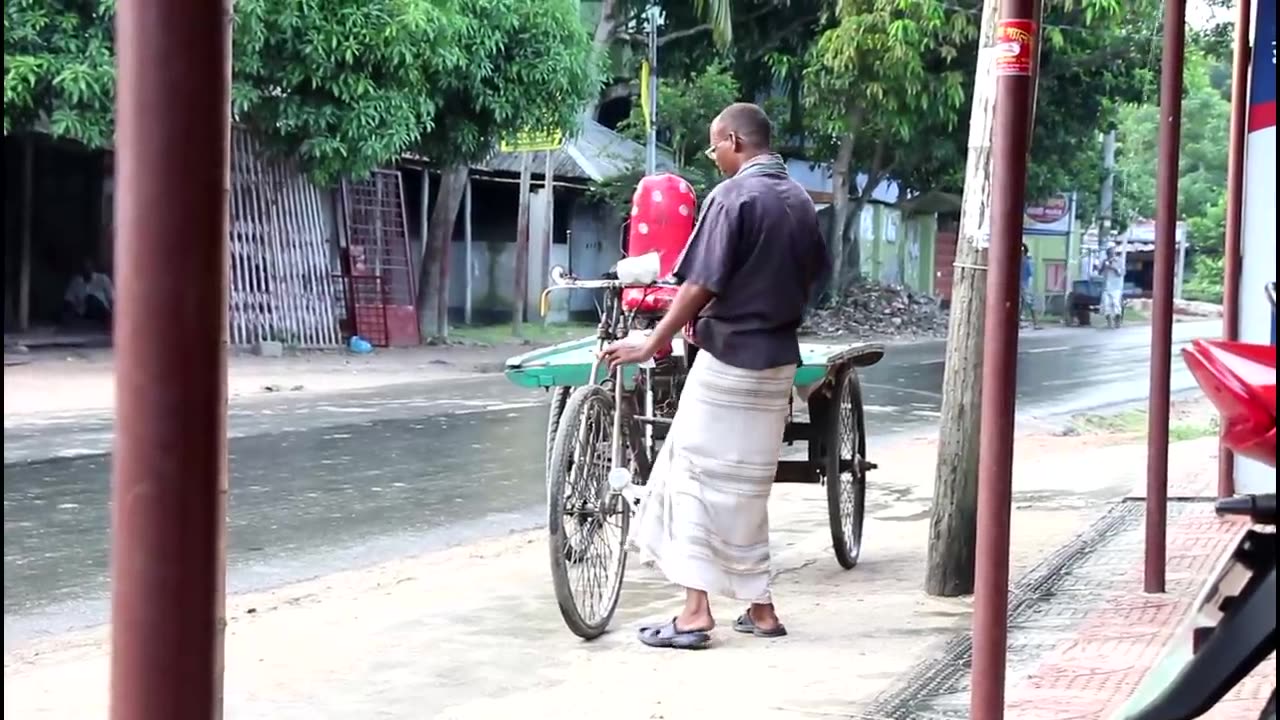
(281, 287)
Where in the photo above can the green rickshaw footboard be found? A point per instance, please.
(568, 364)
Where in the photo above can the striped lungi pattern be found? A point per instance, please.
(705, 521)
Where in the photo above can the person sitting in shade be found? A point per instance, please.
(90, 296)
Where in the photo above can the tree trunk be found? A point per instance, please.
(28, 210)
(600, 39)
(953, 525)
(853, 245)
(433, 278)
(853, 250)
(841, 176)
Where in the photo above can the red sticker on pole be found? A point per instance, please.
(1014, 47)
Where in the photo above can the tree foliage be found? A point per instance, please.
(347, 86)
(686, 107)
(351, 85)
(59, 69)
(874, 80)
(1202, 168)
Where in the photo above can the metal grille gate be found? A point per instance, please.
(378, 247)
(279, 264)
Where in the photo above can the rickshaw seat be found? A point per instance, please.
(663, 211)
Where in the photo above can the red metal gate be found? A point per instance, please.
(378, 246)
(944, 258)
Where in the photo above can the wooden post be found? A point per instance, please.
(1011, 143)
(953, 525)
(28, 210)
(424, 211)
(170, 458)
(466, 251)
(522, 249)
(549, 236)
(1173, 51)
(446, 241)
(224, 481)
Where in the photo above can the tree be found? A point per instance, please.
(1202, 170)
(688, 105)
(59, 70)
(878, 76)
(344, 86)
(350, 86)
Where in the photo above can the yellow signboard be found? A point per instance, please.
(533, 141)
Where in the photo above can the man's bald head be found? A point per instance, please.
(739, 133)
(748, 122)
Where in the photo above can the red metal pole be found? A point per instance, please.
(168, 506)
(1015, 87)
(1235, 211)
(1175, 40)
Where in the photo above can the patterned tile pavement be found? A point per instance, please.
(1082, 633)
(1091, 673)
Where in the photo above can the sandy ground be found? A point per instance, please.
(81, 380)
(473, 632)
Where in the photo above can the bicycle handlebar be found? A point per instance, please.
(563, 281)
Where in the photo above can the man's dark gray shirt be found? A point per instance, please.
(757, 246)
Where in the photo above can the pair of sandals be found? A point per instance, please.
(667, 635)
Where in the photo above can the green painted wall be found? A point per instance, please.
(897, 248)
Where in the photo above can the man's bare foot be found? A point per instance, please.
(764, 617)
(695, 622)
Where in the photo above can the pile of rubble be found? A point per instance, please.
(868, 310)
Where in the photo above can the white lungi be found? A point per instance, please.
(705, 521)
(1111, 300)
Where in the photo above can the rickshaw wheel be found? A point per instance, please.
(559, 396)
(846, 445)
(587, 524)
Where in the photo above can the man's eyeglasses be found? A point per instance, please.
(710, 152)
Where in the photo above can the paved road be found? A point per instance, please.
(326, 483)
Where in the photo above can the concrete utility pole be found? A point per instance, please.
(1018, 36)
(168, 492)
(952, 527)
(1106, 200)
(651, 138)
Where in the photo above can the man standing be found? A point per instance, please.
(1028, 295)
(1112, 271)
(751, 265)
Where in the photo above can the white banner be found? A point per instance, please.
(1258, 241)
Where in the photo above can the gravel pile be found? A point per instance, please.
(869, 310)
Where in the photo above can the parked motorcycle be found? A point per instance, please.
(1231, 628)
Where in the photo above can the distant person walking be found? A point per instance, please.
(1028, 296)
(1112, 271)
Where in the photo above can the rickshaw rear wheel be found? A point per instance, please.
(587, 524)
(846, 477)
